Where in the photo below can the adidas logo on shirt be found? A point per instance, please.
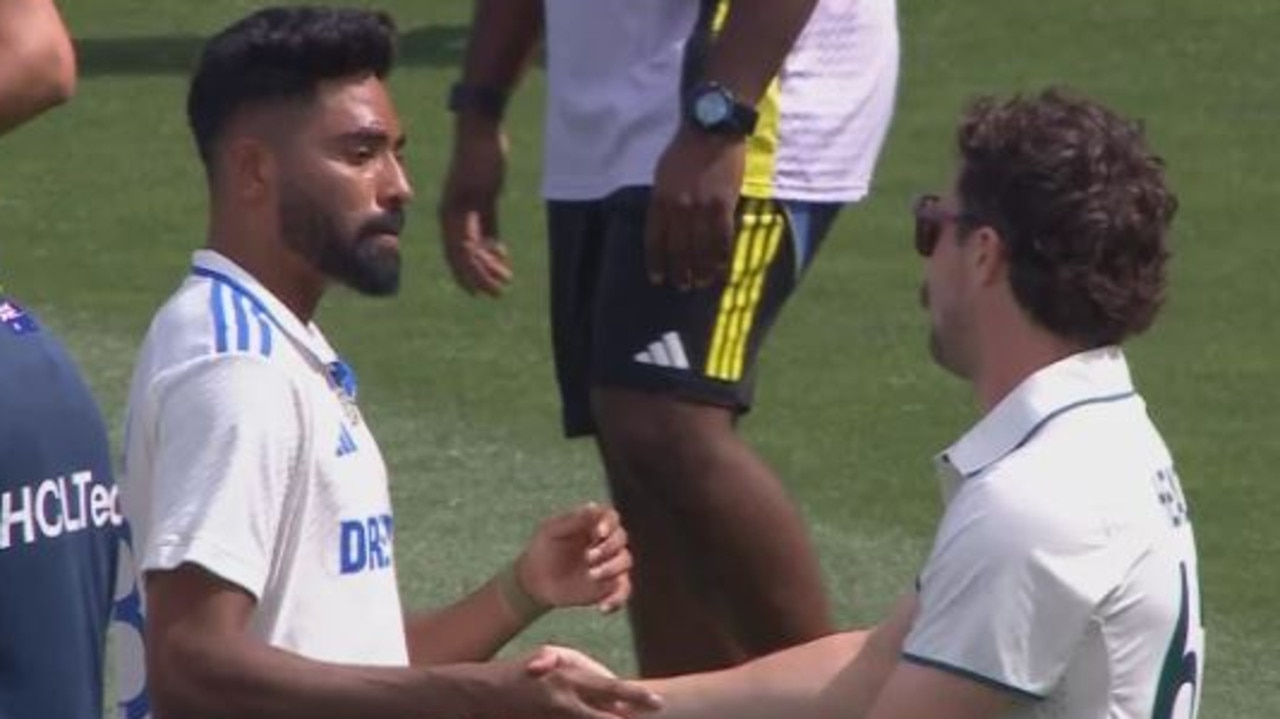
(346, 443)
(666, 351)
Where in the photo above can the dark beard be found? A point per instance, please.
(360, 263)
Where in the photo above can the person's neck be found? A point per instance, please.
(282, 273)
(1014, 355)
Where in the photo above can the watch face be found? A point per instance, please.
(711, 108)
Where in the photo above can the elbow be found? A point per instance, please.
(34, 79)
(38, 68)
(170, 693)
(176, 697)
(178, 683)
(51, 72)
(63, 88)
(60, 74)
(166, 704)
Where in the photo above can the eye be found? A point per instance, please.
(361, 154)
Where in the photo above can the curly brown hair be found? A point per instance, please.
(1081, 205)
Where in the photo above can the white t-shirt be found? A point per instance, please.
(244, 456)
(614, 77)
(1064, 570)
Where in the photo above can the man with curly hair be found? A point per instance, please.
(1062, 581)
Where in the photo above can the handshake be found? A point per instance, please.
(561, 683)
(576, 558)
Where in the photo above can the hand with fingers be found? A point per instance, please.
(690, 225)
(578, 558)
(468, 211)
(551, 684)
(551, 656)
(600, 688)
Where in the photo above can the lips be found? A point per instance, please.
(389, 225)
(383, 238)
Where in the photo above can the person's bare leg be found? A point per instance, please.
(737, 557)
(675, 627)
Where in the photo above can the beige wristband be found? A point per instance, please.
(523, 605)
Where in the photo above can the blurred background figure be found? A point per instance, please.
(59, 513)
(696, 155)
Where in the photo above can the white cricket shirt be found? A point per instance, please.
(242, 456)
(1064, 569)
(614, 79)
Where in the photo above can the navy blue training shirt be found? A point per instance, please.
(59, 520)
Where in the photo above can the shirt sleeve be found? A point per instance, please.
(228, 441)
(1009, 590)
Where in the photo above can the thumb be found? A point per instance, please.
(542, 662)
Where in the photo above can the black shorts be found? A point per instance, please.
(612, 328)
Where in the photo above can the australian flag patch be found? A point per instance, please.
(16, 318)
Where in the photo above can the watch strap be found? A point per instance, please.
(489, 102)
(741, 120)
(744, 118)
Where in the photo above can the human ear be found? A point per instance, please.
(251, 169)
(989, 255)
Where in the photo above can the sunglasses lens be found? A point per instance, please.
(926, 236)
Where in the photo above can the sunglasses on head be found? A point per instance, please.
(931, 217)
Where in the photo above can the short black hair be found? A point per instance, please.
(282, 54)
(1081, 203)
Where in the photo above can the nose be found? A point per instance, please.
(395, 188)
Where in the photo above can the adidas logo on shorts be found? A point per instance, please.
(666, 351)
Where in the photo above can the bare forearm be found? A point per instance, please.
(755, 39)
(839, 676)
(470, 630)
(793, 683)
(37, 61)
(248, 679)
(503, 36)
(859, 685)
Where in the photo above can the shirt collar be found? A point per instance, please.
(1090, 377)
(220, 268)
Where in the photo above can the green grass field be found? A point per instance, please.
(102, 202)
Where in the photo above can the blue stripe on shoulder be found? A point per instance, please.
(243, 309)
(219, 318)
(242, 321)
(264, 329)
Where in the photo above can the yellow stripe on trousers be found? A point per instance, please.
(762, 146)
(757, 244)
(729, 299)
